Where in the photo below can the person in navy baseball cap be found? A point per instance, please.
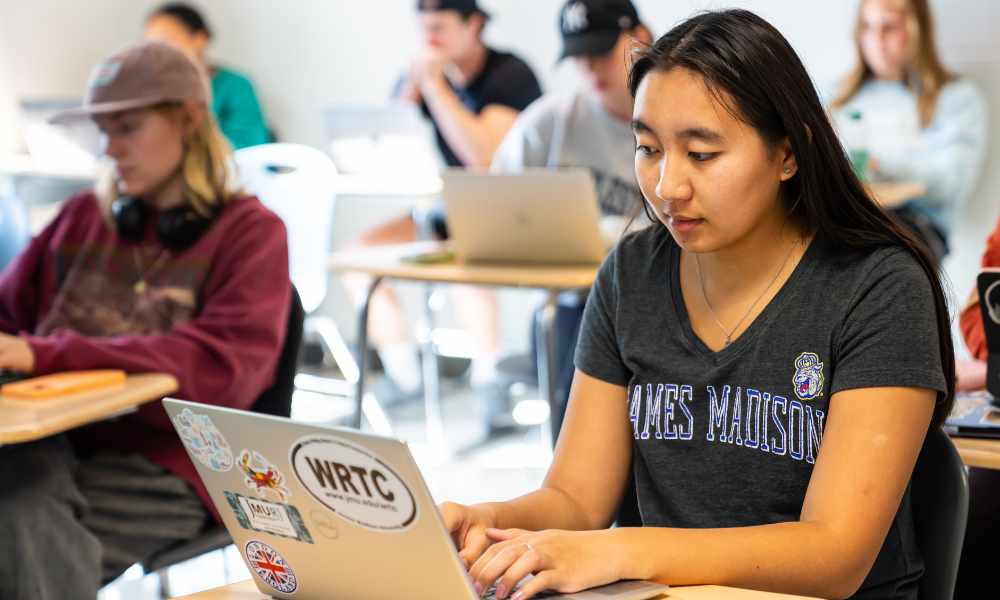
(592, 27)
(463, 7)
(596, 37)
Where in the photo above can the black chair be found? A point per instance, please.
(275, 400)
(939, 498)
(939, 494)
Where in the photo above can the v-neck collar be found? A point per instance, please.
(760, 323)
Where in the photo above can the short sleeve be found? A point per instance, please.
(528, 142)
(890, 335)
(597, 351)
(513, 85)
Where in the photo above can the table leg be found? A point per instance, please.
(432, 388)
(362, 353)
(547, 375)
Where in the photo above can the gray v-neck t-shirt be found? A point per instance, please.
(730, 438)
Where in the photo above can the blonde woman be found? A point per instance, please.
(919, 121)
(164, 268)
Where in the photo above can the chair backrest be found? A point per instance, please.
(939, 494)
(297, 183)
(277, 399)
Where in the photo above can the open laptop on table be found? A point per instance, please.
(537, 216)
(977, 414)
(325, 512)
(364, 139)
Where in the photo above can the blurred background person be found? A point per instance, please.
(907, 118)
(234, 101)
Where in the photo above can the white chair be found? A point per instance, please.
(298, 183)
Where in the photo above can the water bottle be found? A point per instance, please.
(855, 139)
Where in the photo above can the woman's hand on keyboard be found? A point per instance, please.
(467, 526)
(563, 561)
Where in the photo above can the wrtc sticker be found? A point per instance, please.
(275, 518)
(353, 483)
(271, 567)
(203, 440)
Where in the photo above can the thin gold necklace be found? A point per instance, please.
(142, 275)
(704, 295)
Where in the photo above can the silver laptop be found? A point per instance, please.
(537, 216)
(73, 146)
(326, 512)
(362, 140)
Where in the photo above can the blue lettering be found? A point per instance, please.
(653, 413)
(765, 412)
(717, 411)
(815, 437)
(735, 426)
(794, 439)
(688, 433)
(670, 430)
(633, 410)
(753, 419)
(779, 444)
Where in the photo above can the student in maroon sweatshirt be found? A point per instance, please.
(164, 267)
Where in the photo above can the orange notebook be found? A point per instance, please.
(61, 384)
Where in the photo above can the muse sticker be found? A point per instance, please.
(264, 516)
(352, 482)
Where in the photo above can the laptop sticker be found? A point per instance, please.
(204, 441)
(354, 483)
(271, 567)
(324, 524)
(261, 476)
(278, 519)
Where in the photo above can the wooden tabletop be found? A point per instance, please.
(246, 590)
(981, 453)
(23, 420)
(893, 194)
(386, 261)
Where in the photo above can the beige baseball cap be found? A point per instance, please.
(139, 76)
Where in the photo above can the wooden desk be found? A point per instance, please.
(893, 194)
(27, 420)
(246, 590)
(386, 262)
(980, 453)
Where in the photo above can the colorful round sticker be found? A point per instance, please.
(204, 440)
(271, 567)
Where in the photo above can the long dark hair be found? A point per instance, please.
(754, 72)
(186, 15)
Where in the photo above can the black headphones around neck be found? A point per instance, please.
(177, 229)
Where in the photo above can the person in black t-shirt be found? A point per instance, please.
(472, 94)
(768, 355)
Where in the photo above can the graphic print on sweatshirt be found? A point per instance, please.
(100, 292)
(769, 421)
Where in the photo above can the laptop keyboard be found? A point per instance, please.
(491, 594)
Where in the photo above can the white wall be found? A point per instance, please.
(303, 54)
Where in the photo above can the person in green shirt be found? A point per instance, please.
(234, 101)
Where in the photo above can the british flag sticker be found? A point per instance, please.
(271, 567)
